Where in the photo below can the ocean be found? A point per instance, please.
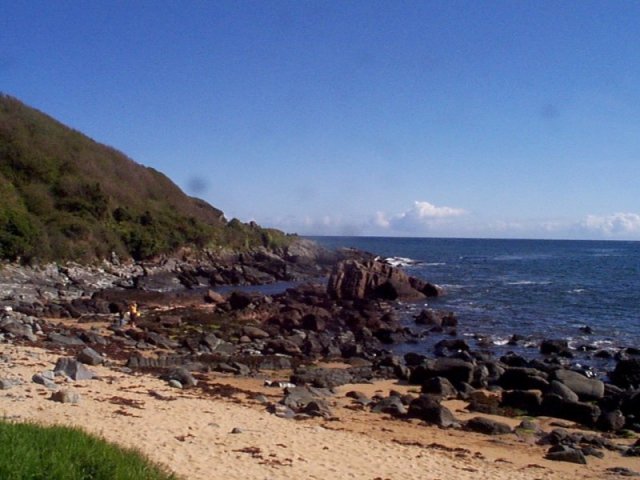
(538, 289)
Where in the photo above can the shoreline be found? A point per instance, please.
(190, 431)
(228, 344)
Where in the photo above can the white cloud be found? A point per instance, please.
(381, 220)
(420, 217)
(422, 210)
(615, 224)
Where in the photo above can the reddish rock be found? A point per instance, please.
(351, 280)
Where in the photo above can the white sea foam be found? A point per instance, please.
(528, 282)
(401, 261)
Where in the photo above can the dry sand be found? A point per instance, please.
(190, 432)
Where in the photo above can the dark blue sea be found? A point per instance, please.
(539, 289)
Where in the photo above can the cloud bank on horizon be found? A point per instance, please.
(426, 219)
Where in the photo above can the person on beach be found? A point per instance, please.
(133, 313)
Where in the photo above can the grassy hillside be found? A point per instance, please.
(65, 196)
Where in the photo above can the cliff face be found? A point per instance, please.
(65, 196)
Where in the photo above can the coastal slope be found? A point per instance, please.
(68, 197)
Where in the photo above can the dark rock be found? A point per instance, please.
(392, 405)
(487, 426)
(627, 373)
(315, 322)
(519, 378)
(428, 289)
(281, 411)
(453, 369)
(555, 347)
(182, 375)
(282, 345)
(439, 386)
(585, 388)
(563, 391)
(352, 280)
(318, 408)
(514, 360)
(436, 317)
(93, 338)
(240, 300)
(413, 359)
(450, 345)
(623, 472)
(584, 413)
(632, 452)
(607, 355)
(73, 369)
(612, 421)
(161, 341)
(90, 357)
(331, 377)
(64, 340)
(528, 425)
(273, 362)
(254, 332)
(484, 402)
(429, 409)
(526, 400)
(297, 398)
(589, 451)
(307, 400)
(562, 453)
(45, 379)
(19, 330)
(359, 397)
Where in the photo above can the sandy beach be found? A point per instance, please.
(191, 431)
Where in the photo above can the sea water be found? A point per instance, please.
(538, 289)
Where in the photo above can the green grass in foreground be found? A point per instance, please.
(33, 452)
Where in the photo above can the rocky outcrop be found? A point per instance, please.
(373, 279)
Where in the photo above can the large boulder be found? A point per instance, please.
(586, 388)
(73, 369)
(564, 453)
(581, 412)
(627, 373)
(311, 401)
(373, 279)
(429, 409)
(487, 426)
(438, 318)
(455, 370)
(522, 378)
(527, 400)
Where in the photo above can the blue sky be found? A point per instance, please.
(418, 118)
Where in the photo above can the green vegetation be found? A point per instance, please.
(64, 196)
(29, 451)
